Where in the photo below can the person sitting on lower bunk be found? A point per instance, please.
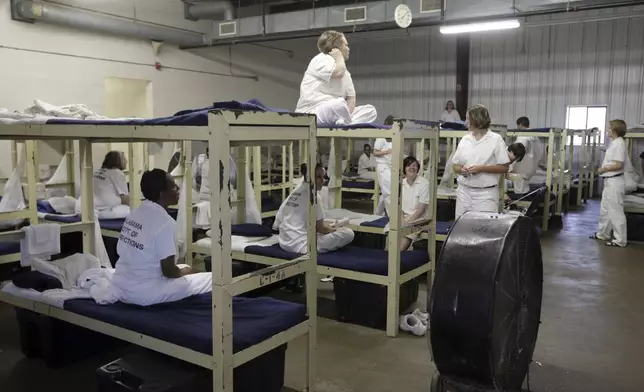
(111, 194)
(293, 218)
(367, 164)
(415, 198)
(612, 219)
(327, 88)
(480, 159)
(146, 271)
(517, 175)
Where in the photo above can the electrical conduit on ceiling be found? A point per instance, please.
(97, 22)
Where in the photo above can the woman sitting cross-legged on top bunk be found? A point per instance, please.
(111, 196)
(612, 220)
(480, 159)
(415, 198)
(146, 272)
(293, 218)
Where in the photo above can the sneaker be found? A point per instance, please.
(411, 323)
(422, 316)
(327, 279)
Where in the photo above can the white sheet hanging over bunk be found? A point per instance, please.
(13, 199)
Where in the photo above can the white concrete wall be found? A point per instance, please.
(62, 66)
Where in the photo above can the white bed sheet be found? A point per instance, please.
(355, 218)
(634, 201)
(239, 243)
(56, 297)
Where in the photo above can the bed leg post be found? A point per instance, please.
(311, 274)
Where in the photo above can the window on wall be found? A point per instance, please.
(586, 117)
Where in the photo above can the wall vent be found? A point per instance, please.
(355, 14)
(427, 6)
(227, 28)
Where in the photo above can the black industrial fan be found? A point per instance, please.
(485, 303)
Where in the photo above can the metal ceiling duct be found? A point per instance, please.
(210, 10)
(66, 16)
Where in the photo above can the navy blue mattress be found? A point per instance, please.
(546, 130)
(372, 261)
(441, 227)
(188, 323)
(9, 247)
(355, 126)
(358, 184)
(197, 117)
(107, 224)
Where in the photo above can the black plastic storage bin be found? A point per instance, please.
(366, 303)
(57, 342)
(148, 371)
(635, 227)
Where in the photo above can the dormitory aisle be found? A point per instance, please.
(591, 310)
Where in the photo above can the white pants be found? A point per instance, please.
(476, 199)
(326, 242)
(116, 212)
(368, 175)
(384, 179)
(162, 290)
(336, 240)
(612, 220)
(337, 109)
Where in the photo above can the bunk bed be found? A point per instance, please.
(584, 182)
(555, 177)
(634, 202)
(232, 338)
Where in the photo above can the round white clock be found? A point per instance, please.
(402, 16)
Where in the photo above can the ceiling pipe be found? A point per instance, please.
(70, 17)
(211, 10)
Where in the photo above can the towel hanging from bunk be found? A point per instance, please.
(40, 241)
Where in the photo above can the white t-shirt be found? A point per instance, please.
(528, 166)
(365, 163)
(383, 144)
(109, 185)
(452, 116)
(147, 237)
(414, 194)
(616, 152)
(489, 150)
(318, 85)
(293, 216)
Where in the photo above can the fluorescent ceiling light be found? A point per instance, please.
(479, 27)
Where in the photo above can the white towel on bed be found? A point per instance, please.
(40, 241)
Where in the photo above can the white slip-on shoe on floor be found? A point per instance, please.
(422, 316)
(411, 323)
(327, 279)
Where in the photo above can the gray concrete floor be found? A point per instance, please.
(590, 340)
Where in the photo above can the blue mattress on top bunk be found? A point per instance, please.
(197, 117)
(188, 323)
(441, 227)
(358, 184)
(355, 126)
(9, 247)
(107, 224)
(372, 261)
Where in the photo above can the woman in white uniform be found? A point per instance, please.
(146, 271)
(480, 160)
(450, 114)
(293, 218)
(415, 198)
(111, 194)
(367, 164)
(327, 88)
(382, 152)
(612, 220)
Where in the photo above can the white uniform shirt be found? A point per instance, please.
(147, 237)
(318, 86)
(489, 150)
(365, 163)
(109, 185)
(616, 152)
(454, 116)
(293, 216)
(383, 144)
(529, 164)
(414, 194)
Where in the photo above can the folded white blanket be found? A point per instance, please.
(40, 241)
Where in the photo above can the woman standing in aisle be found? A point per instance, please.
(480, 160)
